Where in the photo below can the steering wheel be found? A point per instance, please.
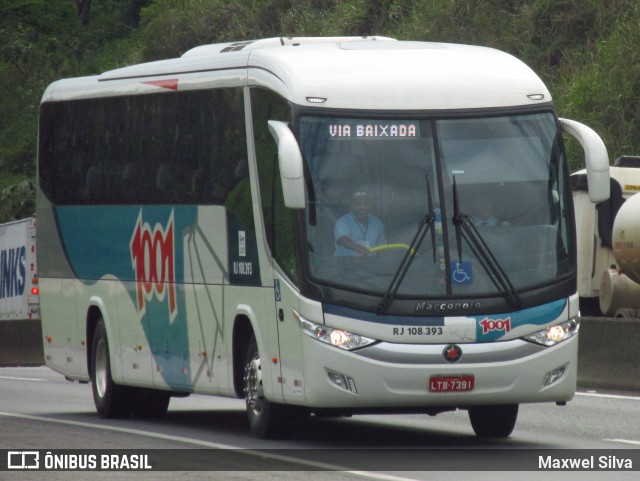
(385, 247)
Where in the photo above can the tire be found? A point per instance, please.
(111, 400)
(493, 421)
(149, 403)
(267, 420)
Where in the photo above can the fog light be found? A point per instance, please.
(342, 381)
(551, 377)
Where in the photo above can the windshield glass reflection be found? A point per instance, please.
(370, 194)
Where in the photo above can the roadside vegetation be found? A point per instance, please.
(585, 50)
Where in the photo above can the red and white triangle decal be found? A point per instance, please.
(171, 83)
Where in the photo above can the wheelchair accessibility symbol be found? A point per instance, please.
(461, 272)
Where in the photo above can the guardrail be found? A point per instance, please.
(609, 353)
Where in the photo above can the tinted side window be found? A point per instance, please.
(176, 148)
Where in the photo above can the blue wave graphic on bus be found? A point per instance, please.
(489, 328)
(143, 248)
(493, 327)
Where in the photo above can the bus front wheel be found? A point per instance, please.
(493, 421)
(266, 419)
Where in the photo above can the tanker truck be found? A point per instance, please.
(608, 236)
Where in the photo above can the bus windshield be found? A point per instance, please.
(495, 182)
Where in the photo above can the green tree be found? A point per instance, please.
(603, 90)
(41, 41)
(585, 50)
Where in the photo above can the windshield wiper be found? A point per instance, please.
(465, 227)
(425, 225)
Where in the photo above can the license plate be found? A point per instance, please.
(462, 383)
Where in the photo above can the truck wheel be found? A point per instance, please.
(590, 307)
(493, 421)
(266, 419)
(109, 398)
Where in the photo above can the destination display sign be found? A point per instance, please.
(373, 129)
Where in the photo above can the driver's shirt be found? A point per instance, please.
(368, 235)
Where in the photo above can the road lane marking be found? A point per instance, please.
(21, 378)
(208, 444)
(613, 396)
(609, 396)
(626, 441)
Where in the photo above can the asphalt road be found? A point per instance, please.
(39, 410)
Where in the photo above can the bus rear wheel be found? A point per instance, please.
(149, 403)
(110, 399)
(493, 421)
(113, 400)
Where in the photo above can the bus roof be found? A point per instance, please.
(337, 72)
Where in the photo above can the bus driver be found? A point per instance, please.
(357, 231)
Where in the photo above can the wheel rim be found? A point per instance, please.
(101, 368)
(253, 392)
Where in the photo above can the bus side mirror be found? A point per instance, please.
(290, 162)
(596, 158)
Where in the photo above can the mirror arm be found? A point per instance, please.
(291, 165)
(596, 158)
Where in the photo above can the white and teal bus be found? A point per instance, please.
(299, 223)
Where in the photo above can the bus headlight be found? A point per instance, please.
(335, 337)
(552, 335)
